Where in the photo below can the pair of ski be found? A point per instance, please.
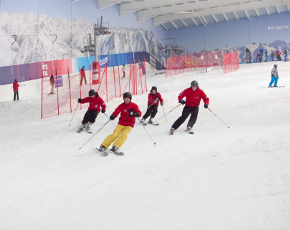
(145, 124)
(88, 131)
(189, 132)
(105, 153)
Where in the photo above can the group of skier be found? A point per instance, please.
(128, 111)
(270, 56)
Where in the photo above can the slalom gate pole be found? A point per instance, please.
(74, 114)
(95, 134)
(167, 113)
(218, 118)
(147, 131)
(110, 119)
(164, 114)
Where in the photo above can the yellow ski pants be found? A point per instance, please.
(120, 133)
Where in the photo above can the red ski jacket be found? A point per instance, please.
(15, 86)
(125, 119)
(278, 52)
(95, 103)
(193, 97)
(82, 72)
(152, 97)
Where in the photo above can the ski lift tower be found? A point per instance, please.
(171, 48)
(92, 47)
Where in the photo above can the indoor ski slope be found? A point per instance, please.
(220, 178)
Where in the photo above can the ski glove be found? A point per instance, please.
(161, 103)
(206, 106)
(79, 100)
(103, 110)
(182, 102)
(136, 114)
(112, 117)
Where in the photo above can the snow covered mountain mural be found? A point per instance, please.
(28, 38)
(255, 47)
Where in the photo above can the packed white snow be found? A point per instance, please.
(218, 178)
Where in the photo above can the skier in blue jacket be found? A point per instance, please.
(266, 55)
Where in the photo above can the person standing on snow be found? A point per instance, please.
(51, 82)
(123, 70)
(83, 75)
(266, 55)
(272, 55)
(129, 111)
(193, 96)
(153, 101)
(286, 54)
(259, 57)
(274, 76)
(278, 53)
(94, 109)
(248, 55)
(15, 89)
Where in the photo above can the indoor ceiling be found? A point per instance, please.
(177, 14)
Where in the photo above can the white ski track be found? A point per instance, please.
(220, 178)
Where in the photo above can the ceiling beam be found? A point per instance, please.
(247, 14)
(176, 27)
(165, 18)
(202, 21)
(267, 10)
(278, 9)
(288, 7)
(105, 3)
(215, 18)
(236, 15)
(225, 16)
(256, 12)
(126, 8)
(145, 14)
(164, 26)
(183, 22)
(194, 21)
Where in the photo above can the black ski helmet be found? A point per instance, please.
(92, 92)
(154, 88)
(194, 84)
(127, 94)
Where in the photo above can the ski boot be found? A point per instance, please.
(142, 121)
(115, 150)
(171, 132)
(102, 149)
(88, 127)
(150, 121)
(81, 128)
(188, 129)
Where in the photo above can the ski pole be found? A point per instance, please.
(95, 134)
(148, 107)
(147, 131)
(168, 112)
(110, 119)
(74, 114)
(218, 118)
(164, 114)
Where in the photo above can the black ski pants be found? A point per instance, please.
(16, 94)
(192, 111)
(151, 111)
(90, 116)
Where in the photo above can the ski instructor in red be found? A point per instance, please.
(129, 110)
(193, 96)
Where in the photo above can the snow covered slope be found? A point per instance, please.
(219, 178)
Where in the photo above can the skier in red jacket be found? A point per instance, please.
(15, 89)
(94, 108)
(153, 101)
(129, 111)
(83, 75)
(193, 96)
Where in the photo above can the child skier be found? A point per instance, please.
(153, 101)
(129, 111)
(95, 107)
(51, 82)
(193, 96)
(274, 76)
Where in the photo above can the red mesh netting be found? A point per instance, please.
(231, 62)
